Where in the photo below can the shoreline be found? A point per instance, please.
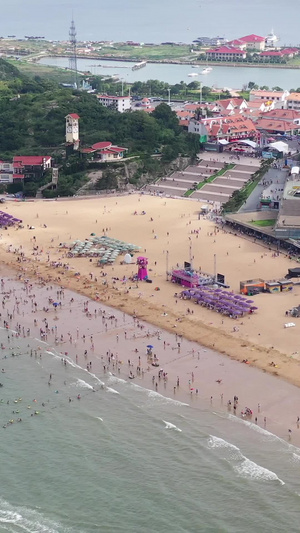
(171, 62)
(259, 346)
(197, 367)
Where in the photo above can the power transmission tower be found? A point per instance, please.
(73, 57)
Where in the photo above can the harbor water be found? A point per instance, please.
(221, 77)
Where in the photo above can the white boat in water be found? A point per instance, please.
(206, 70)
(137, 66)
(193, 74)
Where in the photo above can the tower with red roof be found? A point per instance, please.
(72, 130)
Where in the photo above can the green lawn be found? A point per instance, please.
(263, 223)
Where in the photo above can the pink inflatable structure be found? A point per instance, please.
(142, 263)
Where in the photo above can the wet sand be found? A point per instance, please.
(113, 345)
(168, 225)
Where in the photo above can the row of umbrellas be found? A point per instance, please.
(105, 247)
(8, 220)
(220, 300)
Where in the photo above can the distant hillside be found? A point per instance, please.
(8, 72)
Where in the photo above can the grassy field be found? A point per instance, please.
(156, 52)
(57, 74)
(263, 223)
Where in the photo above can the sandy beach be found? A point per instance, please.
(167, 225)
(112, 346)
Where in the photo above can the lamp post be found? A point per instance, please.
(169, 97)
(167, 265)
(215, 267)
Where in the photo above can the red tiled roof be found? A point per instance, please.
(282, 114)
(73, 115)
(101, 145)
(117, 149)
(275, 125)
(225, 50)
(271, 53)
(87, 150)
(184, 123)
(236, 42)
(18, 176)
(252, 39)
(31, 160)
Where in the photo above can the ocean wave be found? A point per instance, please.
(241, 464)
(255, 427)
(28, 520)
(296, 458)
(109, 389)
(83, 384)
(156, 395)
(251, 470)
(99, 418)
(114, 379)
(171, 426)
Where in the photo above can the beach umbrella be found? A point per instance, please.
(150, 346)
(250, 301)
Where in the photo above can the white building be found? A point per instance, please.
(72, 129)
(293, 101)
(119, 103)
(270, 96)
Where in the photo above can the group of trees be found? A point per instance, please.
(32, 121)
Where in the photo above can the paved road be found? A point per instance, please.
(273, 175)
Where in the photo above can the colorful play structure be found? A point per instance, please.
(255, 286)
(219, 300)
(142, 263)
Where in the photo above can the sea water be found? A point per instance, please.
(124, 458)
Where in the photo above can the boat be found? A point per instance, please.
(206, 70)
(137, 66)
(192, 74)
(195, 66)
(271, 38)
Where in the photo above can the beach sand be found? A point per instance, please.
(112, 346)
(260, 338)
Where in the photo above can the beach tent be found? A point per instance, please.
(127, 259)
(280, 146)
(249, 143)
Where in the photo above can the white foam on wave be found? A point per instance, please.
(114, 379)
(28, 520)
(171, 426)
(241, 464)
(296, 457)
(155, 395)
(99, 418)
(217, 442)
(83, 384)
(249, 469)
(109, 389)
(255, 427)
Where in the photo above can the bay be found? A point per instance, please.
(139, 20)
(220, 77)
